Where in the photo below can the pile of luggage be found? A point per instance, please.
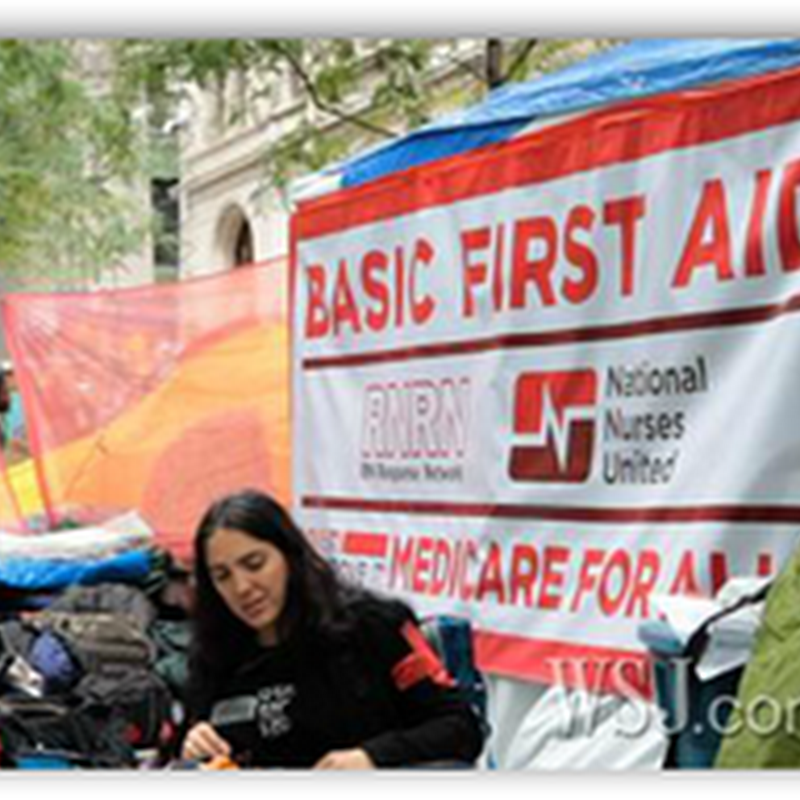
(94, 637)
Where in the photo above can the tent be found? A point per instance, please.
(524, 330)
(644, 68)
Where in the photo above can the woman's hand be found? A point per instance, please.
(204, 742)
(345, 759)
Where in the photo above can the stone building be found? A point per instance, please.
(229, 212)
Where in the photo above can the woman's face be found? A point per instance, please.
(251, 576)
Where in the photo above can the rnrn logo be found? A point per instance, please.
(553, 426)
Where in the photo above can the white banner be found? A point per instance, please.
(541, 384)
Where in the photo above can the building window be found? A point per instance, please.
(164, 196)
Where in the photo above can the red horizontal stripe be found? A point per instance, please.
(581, 666)
(726, 318)
(789, 515)
(366, 544)
(625, 133)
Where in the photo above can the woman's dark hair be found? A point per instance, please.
(316, 600)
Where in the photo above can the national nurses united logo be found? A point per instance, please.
(554, 426)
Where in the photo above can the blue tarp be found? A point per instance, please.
(640, 69)
(47, 574)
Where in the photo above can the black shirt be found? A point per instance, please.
(382, 689)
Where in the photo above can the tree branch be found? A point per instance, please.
(520, 59)
(466, 65)
(321, 104)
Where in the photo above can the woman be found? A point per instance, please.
(292, 668)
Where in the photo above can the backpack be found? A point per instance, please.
(101, 642)
(135, 699)
(682, 695)
(106, 629)
(106, 626)
(34, 729)
(109, 598)
(451, 638)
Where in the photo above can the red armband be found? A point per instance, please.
(422, 662)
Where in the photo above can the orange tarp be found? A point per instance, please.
(159, 399)
(11, 518)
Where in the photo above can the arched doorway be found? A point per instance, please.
(235, 241)
(243, 250)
